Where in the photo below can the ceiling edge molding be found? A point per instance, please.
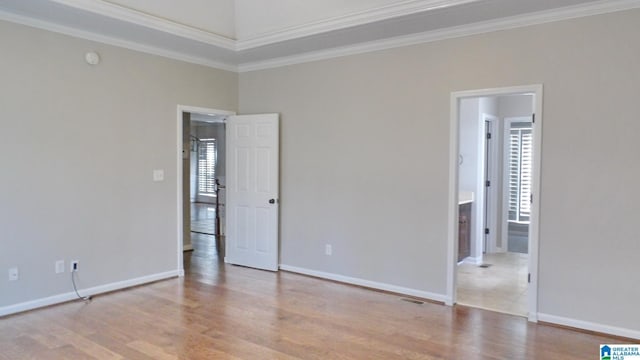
(140, 18)
(542, 17)
(131, 45)
(346, 21)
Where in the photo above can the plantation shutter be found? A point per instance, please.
(520, 171)
(207, 167)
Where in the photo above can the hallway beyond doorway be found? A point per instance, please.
(205, 257)
(502, 286)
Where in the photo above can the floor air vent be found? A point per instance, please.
(484, 266)
(413, 301)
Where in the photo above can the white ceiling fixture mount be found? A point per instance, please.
(246, 35)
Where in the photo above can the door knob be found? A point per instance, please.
(272, 201)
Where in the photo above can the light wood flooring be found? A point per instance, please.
(500, 287)
(203, 218)
(220, 311)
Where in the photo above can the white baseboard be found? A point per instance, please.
(365, 283)
(586, 325)
(187, 247)
(57, 299)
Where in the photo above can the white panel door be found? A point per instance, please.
(252, 191)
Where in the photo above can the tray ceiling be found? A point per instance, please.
(234, 34)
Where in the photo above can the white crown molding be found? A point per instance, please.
(542, 17)
(137, 17)
(403, 8)
(599, 7)
(129, 15)
(131, 45)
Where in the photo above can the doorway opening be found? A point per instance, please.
(495, 136)
(203, 199)
(245, 225)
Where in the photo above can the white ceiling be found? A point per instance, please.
(249, 34)
(259, 18)
(215, 16)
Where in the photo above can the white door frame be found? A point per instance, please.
(491, 203)
(452, 246)
(192, 110)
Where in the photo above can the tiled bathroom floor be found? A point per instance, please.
(501, 287)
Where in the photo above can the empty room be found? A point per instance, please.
(367, 179)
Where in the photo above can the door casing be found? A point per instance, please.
(452, 232)
(179, 198)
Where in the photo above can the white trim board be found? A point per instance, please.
(365, 283)
(108, 40)
(553, 15)
(491, 215)
(513, 22)
(140, 18)
(591, 326)
(61, 298)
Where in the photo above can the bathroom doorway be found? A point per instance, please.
(495, 174)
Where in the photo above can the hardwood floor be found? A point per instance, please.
(203, 218)
(219, 311)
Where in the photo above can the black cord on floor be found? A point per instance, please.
(73, 281)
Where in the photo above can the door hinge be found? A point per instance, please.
(488, 183)
(488, 136)
(531, 198)
(533, 118)
(486, 231)
(529, 278)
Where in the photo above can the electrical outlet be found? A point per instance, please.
(74, 266)
(158, 175)
(13, 274)
(59, 266)
(328, 250)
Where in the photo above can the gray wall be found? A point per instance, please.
(78, 144)
(365, 143)
(514, 106)
(469, 128)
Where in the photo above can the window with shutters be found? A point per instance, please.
(207, 155)
(520, 171)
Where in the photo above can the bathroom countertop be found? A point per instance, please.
(465, 197)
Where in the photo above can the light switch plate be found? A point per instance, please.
(59, 266)
(158, 175)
